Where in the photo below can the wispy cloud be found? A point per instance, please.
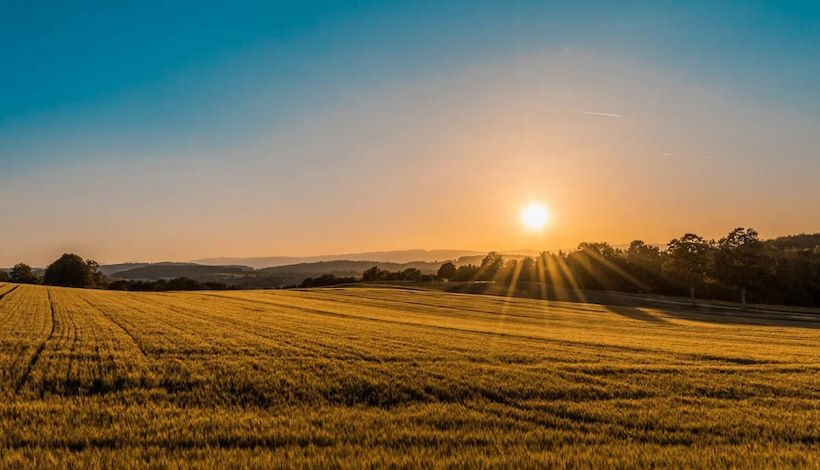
(596, 113)
(665, 154)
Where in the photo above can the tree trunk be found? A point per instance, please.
(743, 295)
(692, 293)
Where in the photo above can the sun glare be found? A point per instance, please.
(535, 216)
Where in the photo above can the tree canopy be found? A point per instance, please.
(71, 270)
(22, 273)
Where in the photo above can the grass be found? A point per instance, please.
(354, 377)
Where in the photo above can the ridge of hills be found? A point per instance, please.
(395, 256)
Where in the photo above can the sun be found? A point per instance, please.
(535, 216)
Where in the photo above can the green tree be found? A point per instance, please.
(643, 255)
(741, 262)
(411, 274)
(645, 262)
(71, 270)
(97, 276)
(490, 265)
(466, 273)
(447, 271)
(21, 273)
(4, 276)
(528, 270)
(688, 260)
(373, 274)
(597, 266)
(601, 249)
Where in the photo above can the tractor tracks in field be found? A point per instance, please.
(2, 296)
(125, 330)
(8, 292)
(482, 332)
(36, 356)
(72, 349)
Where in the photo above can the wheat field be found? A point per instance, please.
(353, 377)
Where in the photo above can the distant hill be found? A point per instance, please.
(804, 241)
(278, 276)
(348, 267)
(110, 269)
(171, 270)
(398, 256)
(286, 274)
(294, 274)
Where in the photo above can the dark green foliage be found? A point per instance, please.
(446, 271)
(741, 262)
(599, 266)
(326, 280)
(71, 270)
(801, 242)
(785, 271)
(688, 261)
(373, 274)
(409, 274)
(466, 273)
(645, 263)
(21, 273)
(490, 266)
(176, 284)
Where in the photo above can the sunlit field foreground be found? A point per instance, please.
(372, 376)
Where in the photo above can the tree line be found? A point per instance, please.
(71, 270)
(161, 285)
(739, 266)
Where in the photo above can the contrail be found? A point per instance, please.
(595, 113)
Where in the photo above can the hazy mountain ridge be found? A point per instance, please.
(395, 256)
(277, 276)
(169, 270)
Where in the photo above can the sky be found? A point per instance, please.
(152, 131)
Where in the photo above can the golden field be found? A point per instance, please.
(353, 377)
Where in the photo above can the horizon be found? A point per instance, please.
(183, 132)
(337, 256)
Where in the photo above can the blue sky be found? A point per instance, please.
(118, 84)
(175, 70)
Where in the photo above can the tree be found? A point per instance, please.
(97, 275)
(551, 269)
(373, 274)
(70, 270)
(466, 273)
(741, 261)
(598, 266)
(601, 249)
(527, 270)
(688, 260)
(447, 271)
(641, 254)
(4, 276)
(490, 266)
(21, 273)
(411, 274)
(183, 283)
(645, 262)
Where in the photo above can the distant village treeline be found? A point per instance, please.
(739, 267)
